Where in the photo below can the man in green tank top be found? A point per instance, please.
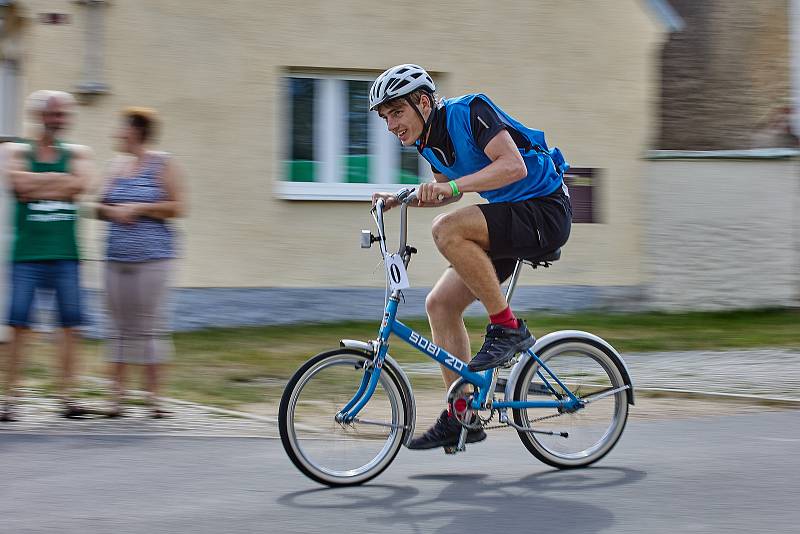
(46, 177)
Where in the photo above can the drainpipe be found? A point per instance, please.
(794, 43)
(94, 54)
(10, 51)
(794, 52)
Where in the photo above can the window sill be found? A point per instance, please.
(331, 191)
(92, 88)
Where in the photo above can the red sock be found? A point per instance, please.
(505, 318)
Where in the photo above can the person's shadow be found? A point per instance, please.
(475, 502)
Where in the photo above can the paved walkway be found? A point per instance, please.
(773, 373)
(37, 413)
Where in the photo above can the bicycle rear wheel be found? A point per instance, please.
(329, 452)
(593, 430)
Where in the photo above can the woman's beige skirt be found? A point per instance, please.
(136, 294)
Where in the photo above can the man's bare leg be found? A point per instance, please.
(66, 352)
(463, 238)
(67, 346)
(13, 361)
(445, 306)
(15, 351)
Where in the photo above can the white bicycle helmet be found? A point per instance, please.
(399, 81)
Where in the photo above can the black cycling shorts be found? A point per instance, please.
(526, 229)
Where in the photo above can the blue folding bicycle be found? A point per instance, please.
(346, 412)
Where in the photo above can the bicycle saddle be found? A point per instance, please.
(549, 257)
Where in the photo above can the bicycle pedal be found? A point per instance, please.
(450, 450)
(510, 363)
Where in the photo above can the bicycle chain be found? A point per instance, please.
(495, 427)
(486, 421)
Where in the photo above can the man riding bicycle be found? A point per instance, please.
(474, 146)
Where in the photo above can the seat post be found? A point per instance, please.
(512, 283)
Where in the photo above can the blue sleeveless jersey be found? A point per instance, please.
(545, 166)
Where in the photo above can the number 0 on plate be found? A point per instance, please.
(398, 277)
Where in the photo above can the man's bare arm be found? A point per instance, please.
(82, 169)
(20, 181)
(29, 186)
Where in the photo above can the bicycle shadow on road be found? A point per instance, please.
(451, 501)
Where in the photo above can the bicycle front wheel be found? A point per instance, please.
(332, 453)
(593, 430)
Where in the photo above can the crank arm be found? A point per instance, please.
(462, 440)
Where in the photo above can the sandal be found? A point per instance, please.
(75, 411)
(8, 415)
(160, 413)
(116, 412)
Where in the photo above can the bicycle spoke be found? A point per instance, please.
(571, 438)
(332, 452)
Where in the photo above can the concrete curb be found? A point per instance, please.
(203, 407)
(137, 434)
(221, 411)
(688, 393)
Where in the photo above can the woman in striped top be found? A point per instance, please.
(142, 193)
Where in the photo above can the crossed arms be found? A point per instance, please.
(30, 186)
(174, 205)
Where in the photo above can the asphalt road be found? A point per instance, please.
(713, 474)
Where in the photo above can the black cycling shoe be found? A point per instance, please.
(500, 345)
(444, 433)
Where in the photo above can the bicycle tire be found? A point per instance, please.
(288, 426)
(604, 375)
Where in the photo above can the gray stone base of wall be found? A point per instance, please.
(194, 309)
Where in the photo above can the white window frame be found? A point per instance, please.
(9, 98)
(330, 142)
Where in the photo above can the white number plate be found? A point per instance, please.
(398, 276)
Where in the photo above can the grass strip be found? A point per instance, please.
(234, 367)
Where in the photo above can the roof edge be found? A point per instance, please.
(754, 153)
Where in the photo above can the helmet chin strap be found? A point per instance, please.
(426, 124)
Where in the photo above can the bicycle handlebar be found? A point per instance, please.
(405, 196)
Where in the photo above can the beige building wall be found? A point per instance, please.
(724, 231)
(584, 72)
